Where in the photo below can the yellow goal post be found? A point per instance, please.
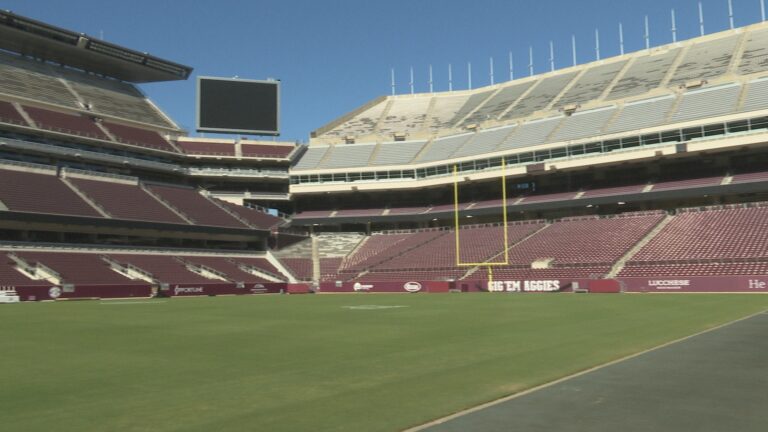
(490, 264)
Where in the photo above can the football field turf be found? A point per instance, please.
(316, 363)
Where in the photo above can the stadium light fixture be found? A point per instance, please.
(490, 68)
(597, 44)
(621, 40)
(573, 48)
(674, 27)
(647, 35)
(730, 13)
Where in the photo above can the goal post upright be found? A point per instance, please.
(505, 228)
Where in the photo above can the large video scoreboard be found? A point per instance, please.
(232, 105)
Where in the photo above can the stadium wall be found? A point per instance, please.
(53, 292)
(690, 284)
(686, 284)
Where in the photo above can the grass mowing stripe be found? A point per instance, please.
(288, 363)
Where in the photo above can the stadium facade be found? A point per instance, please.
(642, 172)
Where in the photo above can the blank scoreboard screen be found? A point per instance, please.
(226, 105)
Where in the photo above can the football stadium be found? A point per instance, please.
(580, 249)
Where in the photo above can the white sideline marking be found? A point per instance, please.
(372, 307)
(575, 375)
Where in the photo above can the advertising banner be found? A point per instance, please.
(405, 286)
(696, 284)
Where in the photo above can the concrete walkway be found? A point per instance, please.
(713, 382)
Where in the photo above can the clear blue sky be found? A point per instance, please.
(334, 55)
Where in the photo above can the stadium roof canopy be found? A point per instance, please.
(78, 50)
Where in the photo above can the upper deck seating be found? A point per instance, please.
(642, 114)
(471, 103)
(755, 56)
(617, 191)
(359, 212)
(9, 114)
(361, 124)
(645, 74)
(750, 177)
(191, 203)
(266, 150)
(74, 124)
(443, 148)
(498, 103)
(51, 84)
(207, 148)
(125, 201)
(541, 96)
(312, 157)
(756, 95)
(41, 192)
(531, 133)
(707, 102)
(688, 183)
(705, 60)
(405, 115)
(257, 218)
(484, 141)
(591, 84)
(139, 137)
(30, 79)
(114, 98)
(395, 153)
(348, 156)
(583, 124)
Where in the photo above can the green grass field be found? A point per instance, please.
(309, 363)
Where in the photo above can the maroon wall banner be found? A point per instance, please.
(540, 285)
(185, 290)
(54, 292)
(406, 286)
(298, 288)
(602, 286)
(696, 284)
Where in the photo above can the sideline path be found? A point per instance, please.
(713, 382)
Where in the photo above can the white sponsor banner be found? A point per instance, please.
(412, 286)
(361, 287)
(524, 286)
(187, 290)
(669, 284)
